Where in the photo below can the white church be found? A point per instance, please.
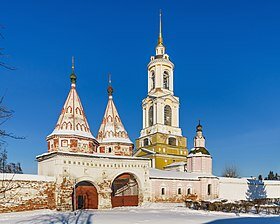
(83, 171)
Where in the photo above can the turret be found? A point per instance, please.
(199, 159)
(112, 136)
(72, 132)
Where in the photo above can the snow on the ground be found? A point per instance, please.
(152, 213)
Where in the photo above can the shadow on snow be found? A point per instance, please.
(78, 217)
(247, 220)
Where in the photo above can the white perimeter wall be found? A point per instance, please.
(236, 188)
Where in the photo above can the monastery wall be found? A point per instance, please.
(244, 188)
(21, 192)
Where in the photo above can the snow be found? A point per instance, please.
(99, 155)
(159, 213)
(72, 132)
(25, 177)
(176, 164)
(163, 174)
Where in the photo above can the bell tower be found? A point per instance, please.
(161, 137)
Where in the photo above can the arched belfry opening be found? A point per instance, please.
(165, 80)
(125, 191)
(167, 115)
(85, 196)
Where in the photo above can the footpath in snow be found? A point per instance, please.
(152, 213)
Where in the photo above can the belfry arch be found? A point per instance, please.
(125, 190)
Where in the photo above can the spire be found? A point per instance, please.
(160, 49)
(110, 89)
(111, 129)
(73, 76)
(160, 39)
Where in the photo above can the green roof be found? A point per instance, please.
(198, 150)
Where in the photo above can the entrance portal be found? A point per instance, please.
(86, 196)
(125, 191)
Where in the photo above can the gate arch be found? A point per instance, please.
(85, 196)
(125, 190)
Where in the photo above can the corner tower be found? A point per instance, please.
(161, 137)
(72, 132)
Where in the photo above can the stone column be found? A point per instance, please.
(104, 194)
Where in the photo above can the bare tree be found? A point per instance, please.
(3, 55)
(230, 171)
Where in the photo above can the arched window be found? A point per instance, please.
(151, 115)
(110, 150)
(146, 142)
(172, 141)
(189, 191)
(153, 79)
(167, 115)
(162, 191)
(165, 80)
(209, 189)
(179, 190)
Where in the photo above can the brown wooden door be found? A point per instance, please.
(86, 196)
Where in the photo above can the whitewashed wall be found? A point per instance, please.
(236, 188)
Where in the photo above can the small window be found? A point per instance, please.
(179, 190)
(167, 115)
(189, 191)
(151, 115)
(209, 189)
(153, 79)
(110, 150)
(162, 191)
(172, 141)
(146, 142)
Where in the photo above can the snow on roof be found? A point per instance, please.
(26, 177)
(98, 155)
(72, 120)
(71, 132)
(176, 164)
(164, 174)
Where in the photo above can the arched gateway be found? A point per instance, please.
(125, 191)
(85, 196)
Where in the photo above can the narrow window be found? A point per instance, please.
(162, 191)
(146, 142)
(189, 191)
(110, 149)
(179, 190)
(153, 79)
(167, 115)
(209, 189)
(165, 80)
(151, 115)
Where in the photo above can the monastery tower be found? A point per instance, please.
(112, 135)
(161, 137)
(72, 132)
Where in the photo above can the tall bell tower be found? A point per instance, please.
(161, 137)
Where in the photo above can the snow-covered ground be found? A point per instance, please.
(153, 213)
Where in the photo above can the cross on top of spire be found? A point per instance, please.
(73, 76)
(110, 89)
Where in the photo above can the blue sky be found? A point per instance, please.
(227, 71)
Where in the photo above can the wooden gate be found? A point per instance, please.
(124, 191)
(86, 196)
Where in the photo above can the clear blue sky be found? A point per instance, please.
(227, 71)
